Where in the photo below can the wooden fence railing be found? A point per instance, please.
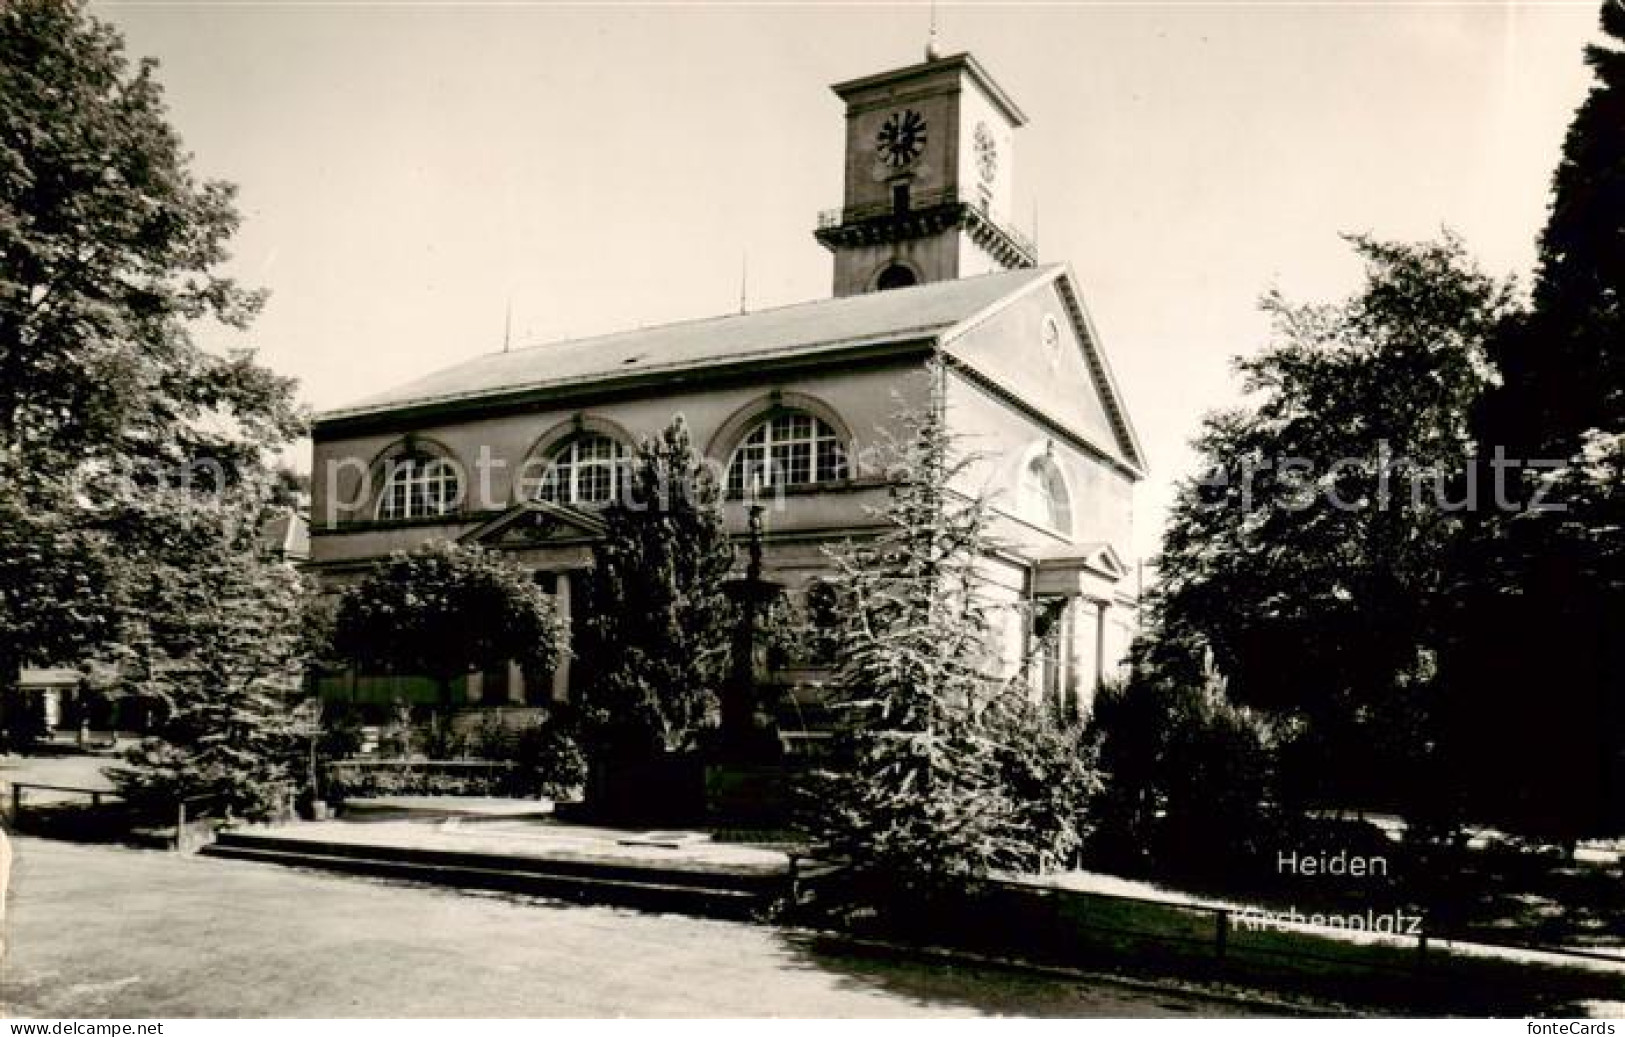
(187, 813)
(95, 795)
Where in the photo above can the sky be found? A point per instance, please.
(411, 174)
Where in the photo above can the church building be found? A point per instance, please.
(518, 450)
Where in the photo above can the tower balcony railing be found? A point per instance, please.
(859, 213)
(829, 219)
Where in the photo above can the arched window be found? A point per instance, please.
(790, 449)
(589, 469)
(1042, 496)
(895, 276)
(416, 486)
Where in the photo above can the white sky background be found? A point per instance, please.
(406, 171)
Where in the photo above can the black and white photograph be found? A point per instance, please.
(581, 510)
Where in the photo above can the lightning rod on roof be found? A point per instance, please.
(507, 326)
(744, 282)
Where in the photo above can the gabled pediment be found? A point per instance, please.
(1038, 346)
(1105, 559)
(536, 522)
(1086, 570)
(1099, 558)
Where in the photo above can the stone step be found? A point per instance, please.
(750, 878)
(654, 889)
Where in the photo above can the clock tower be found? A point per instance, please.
(928, 178)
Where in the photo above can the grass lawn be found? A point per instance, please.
(106, 932)
(70, 771)
(1172, 933)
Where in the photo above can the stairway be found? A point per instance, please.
(711, 893)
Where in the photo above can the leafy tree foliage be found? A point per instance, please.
(657, 639)
(119, 436)
(1308, 560)
(1585, 529)
(923, 803)
(107, 247)
(444, 610)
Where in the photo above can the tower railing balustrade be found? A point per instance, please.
(923, 202)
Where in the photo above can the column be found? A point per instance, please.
(561, 672)
(1071, 680)
(1100, 643)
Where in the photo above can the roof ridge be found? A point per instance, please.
(719, 317)
(784, 330)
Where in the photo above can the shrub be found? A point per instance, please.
(439, 740)
(340, 736)
(395, 736)
(656, 644)
(417, 778)
(550, 761)
(22, 727)
(1216, 791)
(156, 775)
(1187, 781)
(492, 739)
(1047, 767)
(1129, 730)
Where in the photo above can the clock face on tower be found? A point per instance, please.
(901, 138)
(987, 153)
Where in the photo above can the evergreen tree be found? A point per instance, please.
(656, 643)
(219, 642)
(1562, 369)
(1535, 725)
(923, 802)
(444, 610)
(1539, 605)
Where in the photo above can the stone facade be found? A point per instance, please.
(1028, 388)
(944, 213)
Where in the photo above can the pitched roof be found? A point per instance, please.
(286, 535)
(822, 326)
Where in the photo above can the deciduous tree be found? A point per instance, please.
(1309, 559)
(444, 610)
(119, 435)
